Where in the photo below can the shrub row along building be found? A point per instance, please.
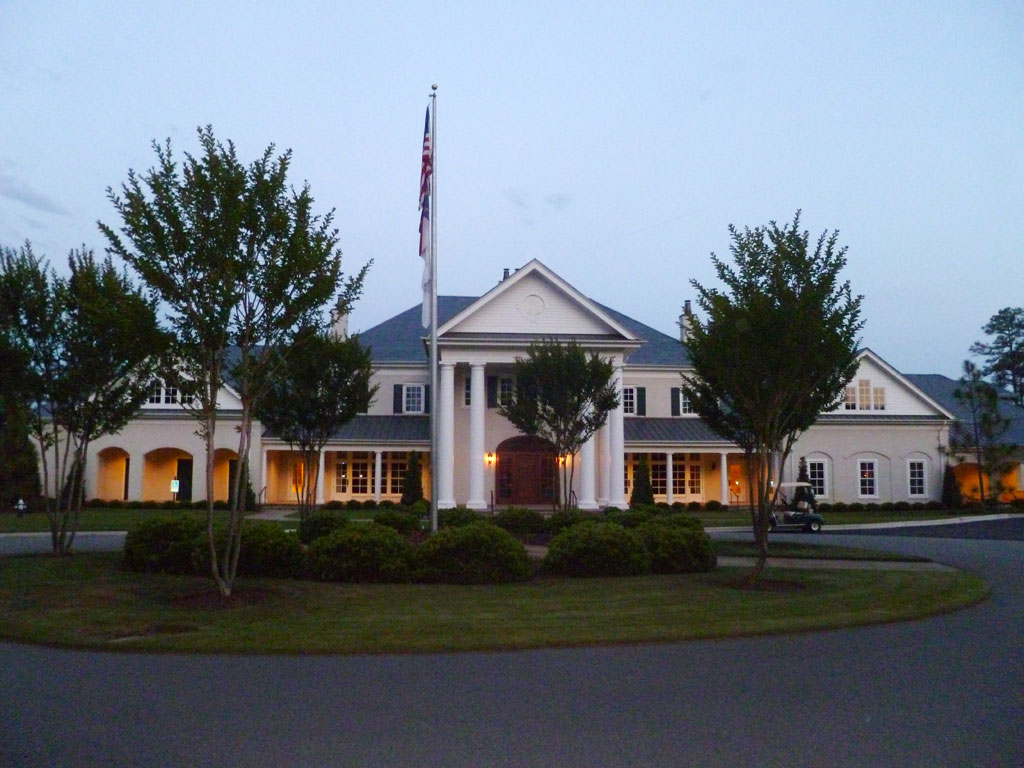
(884, 443)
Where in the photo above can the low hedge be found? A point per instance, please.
(319, 524)
(457, 516)
(361, 553)
(477, 553)
(164, 545)
(520, 522)
(677, 549)
(630, 518)
(679, 520)
(591, 548)
(566, 518)
(402, 520)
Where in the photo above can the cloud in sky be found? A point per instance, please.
(15, 189)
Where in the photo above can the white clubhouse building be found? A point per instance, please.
(883, 444)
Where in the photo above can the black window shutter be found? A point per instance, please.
(675, 400)
(492, 391)
(641, 401)
(426, 398)
(398, 404)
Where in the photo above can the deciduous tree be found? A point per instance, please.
(777, 348)
(241, 263)
(325, 384)
(563, 396)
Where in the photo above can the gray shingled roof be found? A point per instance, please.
(381, 429)
(678, 430)
(940, 388)
(400, 338)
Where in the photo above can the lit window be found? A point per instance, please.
(629, 401)
(850, 399)
(879, 398)
(341, 475)
(693, 484)
(397, 468)
(659, 474)
(414, 400)
(361, 473)
(867, 486)
(864, 394)
(915, 473)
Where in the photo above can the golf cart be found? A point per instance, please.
(795, 504)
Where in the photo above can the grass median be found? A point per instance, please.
(88, 601)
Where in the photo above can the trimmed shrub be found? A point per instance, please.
(855, 507)
(679, 520)
(477, 553)
(369, 504)
(597, 549)
(663, 505)
(361, 553)
(1017, 503)
(269, 550)
(221, 505)
(386, 504)
(678, 505)
(934, 505)
(694, 506)
(824, 507)
(642, 492)
(677, 549)
(115, 504)
(354, 504)
(94, 504)
(713, 505)
(520, 522)
(402, 520)
(456, 517)
(133, 505)
(566, 518)
(164, 545)
(917, 505)
(887, 506)
(333, 504)
(320, 524)
(901, 506)
(840, 506)
(629, 518)
(873, 506)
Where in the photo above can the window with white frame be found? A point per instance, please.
(341, 474)
(659, 474)
(362, 473)
(867, 480)
(850, 399)
(864, 394)
(916, 482)
(413, 398)
(816, 473)
(693, 480)
(396, 466)
(156, 391)
(506, 386)
(878, 398)
(685, 404)
(170, 394)
(629, 401)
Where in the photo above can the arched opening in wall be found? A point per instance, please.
(112, 467)
(967, 475)
(165, 469)
(225, 470)
(526, 471)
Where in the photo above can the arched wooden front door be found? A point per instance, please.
(525, 471)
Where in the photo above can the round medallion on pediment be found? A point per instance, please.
(532, 306)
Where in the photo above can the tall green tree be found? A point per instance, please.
(778, 347)
(91, 345)
(642, 493)
(325, 384)
(982, 434)
(241, 263)
(1004, 354)
(562, 396)
(412, 481)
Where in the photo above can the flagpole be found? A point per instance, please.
(434, 463)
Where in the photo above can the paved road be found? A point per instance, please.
(940, 692)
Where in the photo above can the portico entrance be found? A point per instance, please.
(525, 472)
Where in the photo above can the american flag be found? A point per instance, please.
(425, 173)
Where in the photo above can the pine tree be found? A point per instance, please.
(642, 494)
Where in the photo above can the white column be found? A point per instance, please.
(446, 438)
(320, 479)
(604, 476)
(378, 466)
(723, 466)
(617, 495)
(477, 403)
(587, 484)
(670, 491)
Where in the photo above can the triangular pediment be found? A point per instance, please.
(879, 384)
(534, 301)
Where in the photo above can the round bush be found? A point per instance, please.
(520, 522)
(694, 506)
(133, 504)
(269, 550)
(478, 553)
(597, 549)
(566, 518)
(369, 504)
(855, 506)
(933, 505)
(456, 516)
(354, 504)
(679, 520)
(403, 521)
(164, 545)
(713, 505)
(675, 549)
(319, 524)
(115, 504)
(840, 506)
(824, 506)
(386, 504)
(333, 504)
(629, 518)
(360, 553)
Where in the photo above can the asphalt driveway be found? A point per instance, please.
(944, 691)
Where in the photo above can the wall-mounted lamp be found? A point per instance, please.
(563, 459)
(489, 459)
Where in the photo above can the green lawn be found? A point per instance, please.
(88, 601)
(100, 519)
(809, 550)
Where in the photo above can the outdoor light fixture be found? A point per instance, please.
(489, 459)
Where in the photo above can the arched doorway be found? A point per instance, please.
(525, 472)
(112, 474)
